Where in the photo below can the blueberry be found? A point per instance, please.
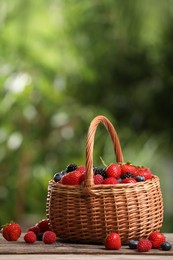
(133, 244)
(119, 180)
(166, 246)
(40, 236)
(71, 167)
(140, 178)
(58, 176)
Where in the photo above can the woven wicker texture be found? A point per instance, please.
(87, 213)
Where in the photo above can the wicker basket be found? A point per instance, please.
(87, 213)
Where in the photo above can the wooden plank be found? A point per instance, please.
(20, 247)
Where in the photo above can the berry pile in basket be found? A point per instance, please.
(112, 174)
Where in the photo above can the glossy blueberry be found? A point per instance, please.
(166, 246)
(133, 244)
(58, 176)
(140, 178)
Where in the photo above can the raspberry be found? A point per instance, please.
(110, 180)
(98, 179)
(113, 170)
(49, 237)
(72, 178)
(144, 245)
(30, 237)
(43, 225)
(156, 239)
(81, 169)
(34, 229)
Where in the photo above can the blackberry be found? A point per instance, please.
(127, 175)
(71, 167)
(140, 178)
(101, 171)
(166, 246)
(58, 175)
(133, 244)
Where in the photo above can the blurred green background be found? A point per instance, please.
(61, 64)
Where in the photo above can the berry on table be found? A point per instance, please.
(30, 237)
(40, 236)
(133, 244)
(166, 246)
(11, 231)
(144, 245)
(156, 238)
(49, 237)
(113, 241)
(34, 229)
(43, 225)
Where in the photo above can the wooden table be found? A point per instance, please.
(68, 251)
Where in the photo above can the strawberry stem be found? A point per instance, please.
(103, 161)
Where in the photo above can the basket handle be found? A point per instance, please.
(89, 181)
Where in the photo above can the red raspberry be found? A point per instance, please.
(30, 237)
(129, 180)
(143, 171)
(49, 237)
(110, 180)
(156, 239)
(72, 178)
(113, 241)
(144, 245)
(98, 179)
(81, 169)
(12, 231)
(113, 170)
(127, 167)
(43, 225)
(34, 229)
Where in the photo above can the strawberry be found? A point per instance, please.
(113, 170)
(30, 237)
(43, 225)
(144, 245)
(143, 171)
(128, 180)
(113, 241)
(72, 178)
(110, 180)
(127, 167)
(156, 238)
(12, 231)
(34, 229)
(98, 179)
(49, 237)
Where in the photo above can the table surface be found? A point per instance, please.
(64, 251)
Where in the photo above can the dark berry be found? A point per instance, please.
(58, 176)
(101, 171)
(119, 180)
(140, 178)
(133, 244)
(166, 246)
(40, 236)
(71, 167)
(127, 175)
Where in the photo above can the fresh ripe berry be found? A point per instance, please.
(127, 175)
(49, 237)
(82, 178)
(30, 237)
(143, 171)
(133, 244)
(58, 176)
(12, 231)
(144, 245)
(101, 171)
(113, 170)
(156, 238)
(127, 167)
(34, 229)
(113, 241)
(72, 178)
(81, 169)
(110, 180)
(98, 179)
(140, 178)
(43, 225)
(128, 180)
(71, 167)
(119, 180)
(40, 236)
(166, 246)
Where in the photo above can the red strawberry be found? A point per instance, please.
(30, 237)
(34, 229)
(156, 239)
(72, 178)
(98, 179)
(127, 167)
(81, 169)
(43, 225)
(143, 171)
(113, 241)
(144, 245)
(49, 237)
(110, 180)
(128, 180)
(82, 178)
(12, 231)
(113, 170)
